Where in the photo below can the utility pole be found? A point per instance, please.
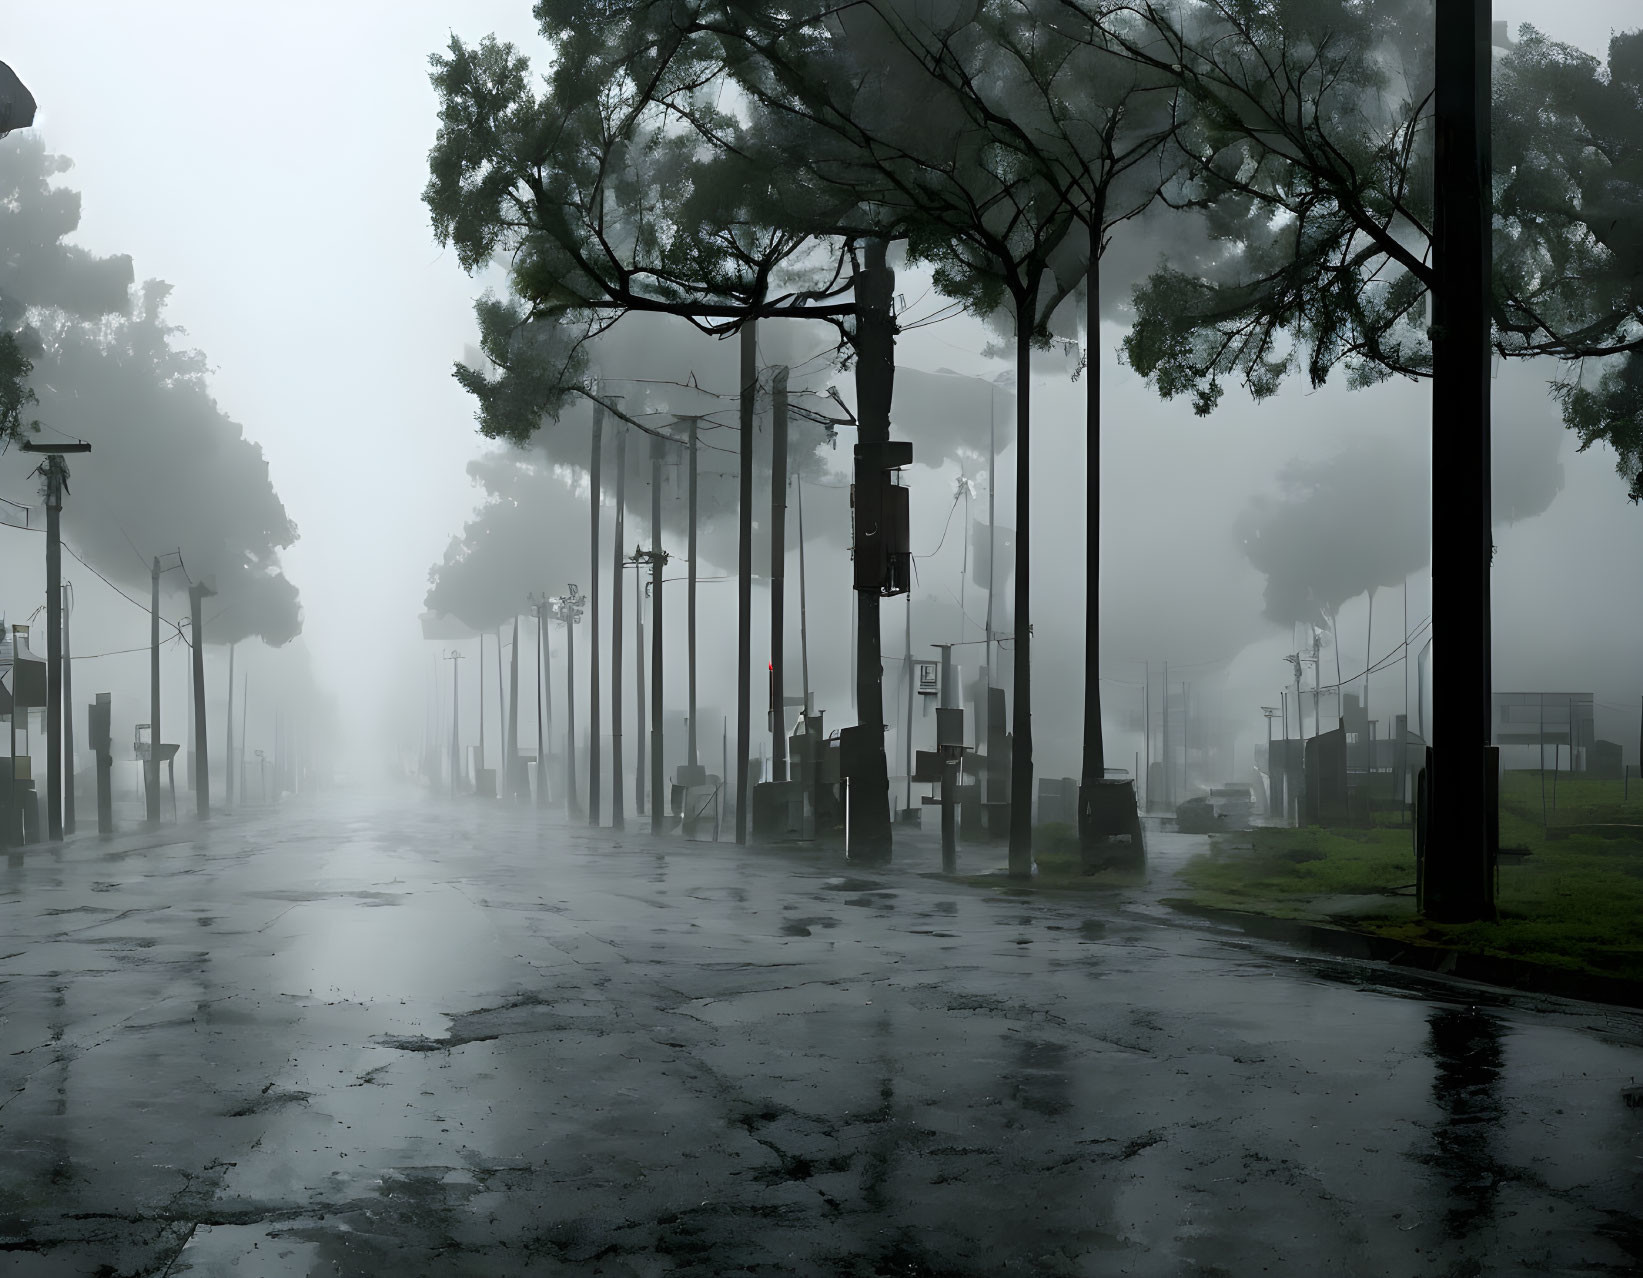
(618, 803)
(950, 757)
(1169, 763)
(869, 835)
(1271, 788)
(513, 715)
(595, 497)
(567, 608)
(202, 771)
(1457, 885)
(658, 558)
(151, 774)
(641, 756)
(690, 605)
(1317, 670)
(245, 724)
(479, 755)
(907, 668)
(778, 567)
(744, 574)
(228, 737)
(453, 656)
(1283, 705)
(541, 687)
(544, 696)
(804, 619)
(54, 472)
(68, 715)
(504, 749)
(1146, 727)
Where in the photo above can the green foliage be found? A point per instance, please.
(101, 361)
(15, 392)
(1575, 903)
(1309, 157)
(1305, 863)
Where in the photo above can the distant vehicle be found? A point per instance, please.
(1198, 816)
(1234, 803)
(1226, 807)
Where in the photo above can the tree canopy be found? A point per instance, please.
(169, 468)
(1309, 152)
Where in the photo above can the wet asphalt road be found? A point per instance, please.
(389, 1036)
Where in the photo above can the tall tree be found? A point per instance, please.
(1346, 177)
(605, 205)
(1045, 84)
(171, 469)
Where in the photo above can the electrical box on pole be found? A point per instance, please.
(883, 562)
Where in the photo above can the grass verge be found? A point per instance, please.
(1060, 867)
(1574, 903)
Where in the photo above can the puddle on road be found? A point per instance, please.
(258, 1249)
(435, 951)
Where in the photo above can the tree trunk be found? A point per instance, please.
(1021, 749)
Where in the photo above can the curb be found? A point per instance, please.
(1515, 974)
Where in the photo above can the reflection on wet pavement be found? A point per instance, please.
(400, 1037)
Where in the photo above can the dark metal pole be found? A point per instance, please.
(1095, 744)
(949, 770)
(504, 749)
(907, 668)
(658, 798)
(641, 756)
(543, 690)
(512, 754)
(744, 575)
(151, 774)
(618, 802)
(228, 736)
(573, 803)
(868, 838)
(68, 720)
(778, 568)
(690, 605)
(595, 496)
(54, 471)
(456, 720)
(804, 618)
(202, 770)
(1458, 885)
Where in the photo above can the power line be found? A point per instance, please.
(122, 593)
